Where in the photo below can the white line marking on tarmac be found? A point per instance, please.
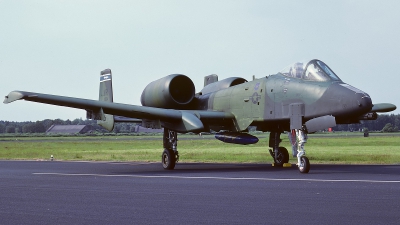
(218, 178)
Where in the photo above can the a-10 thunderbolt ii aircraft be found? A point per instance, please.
(305, 95)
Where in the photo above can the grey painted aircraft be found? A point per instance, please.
(306, 96)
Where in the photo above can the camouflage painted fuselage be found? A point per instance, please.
(271, 102)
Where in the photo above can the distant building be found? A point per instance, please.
(69, 129)
(140, 129)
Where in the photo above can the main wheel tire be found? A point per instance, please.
(285, 154)
(168, 159)
(283, 157)
(304, 166)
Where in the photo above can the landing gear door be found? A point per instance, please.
(296, 113)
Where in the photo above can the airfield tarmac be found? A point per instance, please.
(45, 192)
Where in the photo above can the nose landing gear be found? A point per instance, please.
(281, 155)
(302, 161)
(304, 165)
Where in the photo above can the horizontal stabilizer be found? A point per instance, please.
(383, 107)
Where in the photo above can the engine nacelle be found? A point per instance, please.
(173, 91)
(223, 84)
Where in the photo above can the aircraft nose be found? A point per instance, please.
(364, 101)
(358, 101)
(346, 101)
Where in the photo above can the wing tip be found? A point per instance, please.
(13, 96)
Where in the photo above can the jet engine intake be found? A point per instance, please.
(222, 84)
(173, 91)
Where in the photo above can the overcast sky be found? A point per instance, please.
(60, 47)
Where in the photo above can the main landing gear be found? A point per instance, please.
(170, 155)
(281, 155)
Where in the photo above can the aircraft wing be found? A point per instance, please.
(177, 120)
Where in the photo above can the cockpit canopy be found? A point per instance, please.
(314, 70)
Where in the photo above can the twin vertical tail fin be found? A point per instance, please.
(210, 79)
(106, 95)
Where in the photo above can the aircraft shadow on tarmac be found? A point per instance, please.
(216, 168)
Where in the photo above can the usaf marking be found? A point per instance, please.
(105, 77)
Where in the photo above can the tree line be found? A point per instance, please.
(43, 125)
(384, 123)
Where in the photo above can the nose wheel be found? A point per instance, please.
(304, 165)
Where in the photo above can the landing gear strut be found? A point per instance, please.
(170, 155)
(280, 154)
(302, 161)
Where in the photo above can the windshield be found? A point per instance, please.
(327, 70)
(314, 70)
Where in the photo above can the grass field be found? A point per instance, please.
(348, 148)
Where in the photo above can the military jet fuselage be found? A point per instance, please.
(269, 101)
(277, 102)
